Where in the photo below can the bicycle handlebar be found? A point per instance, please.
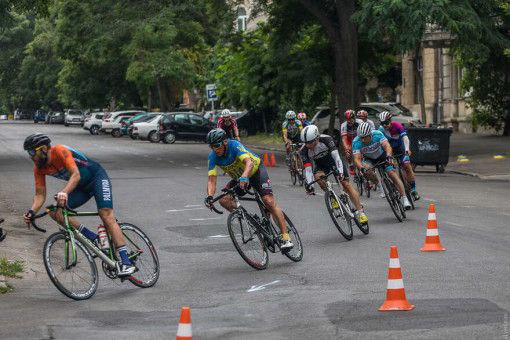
(230, 191)
(47, 210)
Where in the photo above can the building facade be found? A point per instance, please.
(431, 73)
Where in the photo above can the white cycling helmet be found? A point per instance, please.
(384, 116)
(309, 133)
(364, 129)
(225, 113)
(290, 115)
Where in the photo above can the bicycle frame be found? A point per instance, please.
(329, 188)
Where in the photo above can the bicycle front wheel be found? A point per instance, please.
(142, 254)
(75, 275)
(296, 253)
(342, 222)
(391, 197)
(247, 240)
(292, 169)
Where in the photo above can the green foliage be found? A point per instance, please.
(11, 269)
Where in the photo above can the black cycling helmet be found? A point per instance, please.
(216, 136)
(35, 140)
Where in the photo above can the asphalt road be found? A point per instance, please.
(333, 293)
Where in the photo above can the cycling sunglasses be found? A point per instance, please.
(216, 146)
(386, 122)
(32, 152)
(311, 141)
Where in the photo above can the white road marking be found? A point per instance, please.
(146, 156)
(261, 287)
(197, 167)
(159, 159)
(177, 210)
(455, 224)
(218, 236)
(319, 194)
(429, 199)
(192, 205)
(185, 164)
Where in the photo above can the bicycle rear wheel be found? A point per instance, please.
(296, 253)
(341, 221)
(365, 229)
(292, 169)
(77, 281)
(389, 192)
(142, 254)
(247, 240)
(359, 183)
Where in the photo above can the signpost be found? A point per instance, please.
(210, 89)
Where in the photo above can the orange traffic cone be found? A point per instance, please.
(184, 329)
(273, 159)
(395, 293)
(432, 242)
(266, 159)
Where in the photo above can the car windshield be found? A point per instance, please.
(405, 111)
(153, 118)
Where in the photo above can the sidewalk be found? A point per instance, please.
(478, 149)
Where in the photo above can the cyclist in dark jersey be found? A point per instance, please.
(228, 124)
(85, 178)
(320, 156)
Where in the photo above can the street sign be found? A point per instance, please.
(210, 89)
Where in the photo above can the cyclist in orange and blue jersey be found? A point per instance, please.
(85, 179)
(245, 168)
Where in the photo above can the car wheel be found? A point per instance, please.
(94, 130)
(243, 133)
(116, 133)
(169, 138)
(65, 124)
(154, 137)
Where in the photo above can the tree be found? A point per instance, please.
(479, 29)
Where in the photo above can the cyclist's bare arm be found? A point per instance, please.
(284, 134)
(248, 167)
(387, 148)
(357, 160)
(211, 185)
(345, 142)
(39, 198)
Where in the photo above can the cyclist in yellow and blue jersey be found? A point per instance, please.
(245, 168)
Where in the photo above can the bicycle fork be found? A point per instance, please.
(347, 209)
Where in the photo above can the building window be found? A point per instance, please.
(241, 19)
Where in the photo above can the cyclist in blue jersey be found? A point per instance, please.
(399, 141)
(371, 147)
(245, 168)
(85, 178)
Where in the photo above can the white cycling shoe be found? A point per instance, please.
(406, 203)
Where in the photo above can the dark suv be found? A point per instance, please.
(183, 126)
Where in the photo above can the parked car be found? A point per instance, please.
(93, 123)
(74, 117)
(57, 118)
(148, 129)
(40, 116)
(127, 126)
(110, 117)
(249, 122)
(321, 118)
(183, 126)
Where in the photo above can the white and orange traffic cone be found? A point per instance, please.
(184, 329)
(395, 294)
(432, 242)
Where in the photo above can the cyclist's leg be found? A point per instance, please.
(408, 172)
(392, 173)
(227, 202)
(261, 183)
(104, 202)
(370, 174)
(318, 173)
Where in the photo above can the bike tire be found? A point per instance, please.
(359, 183)
(147, 261)
(296, 253)
(51, 266)
(365, 229)
(348, 233)
(252, 234)
(388, 192)
(292, 168)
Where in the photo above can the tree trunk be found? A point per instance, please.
(165, 103)
(421, 94)
(332, 109)
(149, 99)
(506, 127)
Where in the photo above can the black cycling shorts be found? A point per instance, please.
(260, 182)
(329, 166)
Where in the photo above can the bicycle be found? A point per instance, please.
(362, 184)
(390, 191)
(252, 235)
(69, 257)
(342, 211)
(295, 165)
(407, 187)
